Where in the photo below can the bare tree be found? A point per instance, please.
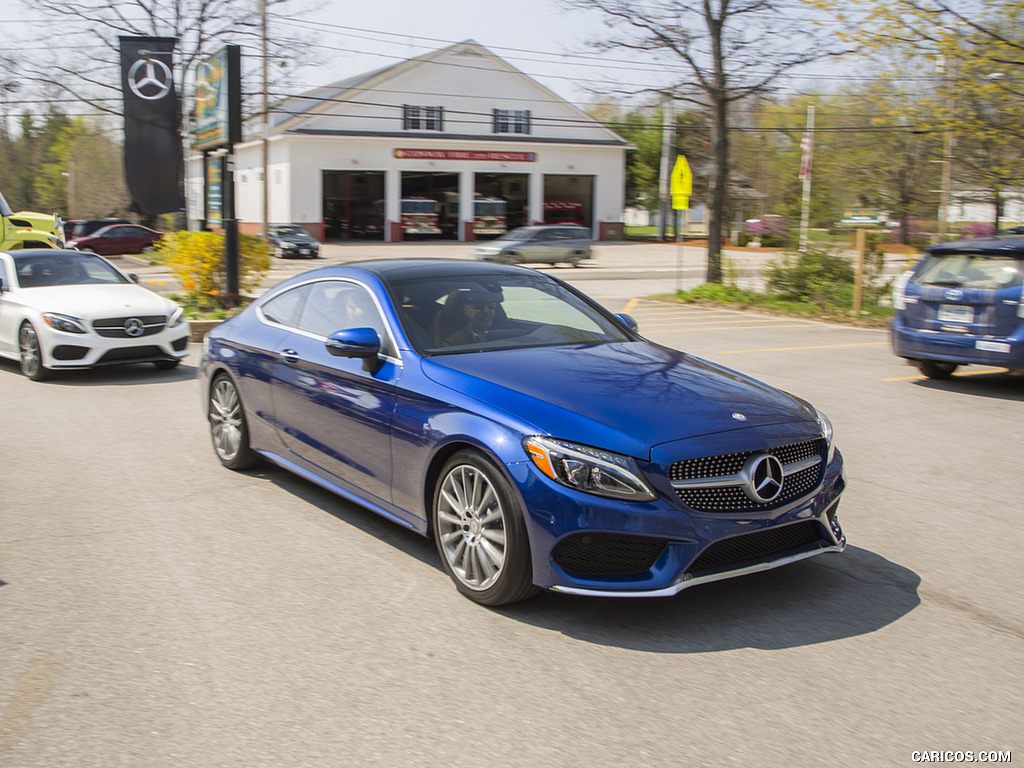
(85, 66)
(716, 53)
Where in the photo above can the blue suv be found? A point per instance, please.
(962, 304)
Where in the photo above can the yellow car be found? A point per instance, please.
(25, 229)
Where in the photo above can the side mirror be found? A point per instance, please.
(629, 321)
(356, 342)
(2, 286)
(133, 277)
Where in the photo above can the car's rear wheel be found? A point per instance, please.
(936, 369)
(228, 428)
(480, 532)
(30, 355)
(575, 259)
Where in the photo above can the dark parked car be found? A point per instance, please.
(537, 438)
(81, 227)
(962, 303)
(116, 239)
(290, 240)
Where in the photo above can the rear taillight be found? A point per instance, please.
(1020, 304)
(899, 289)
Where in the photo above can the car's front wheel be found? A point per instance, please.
(228, 428)
(480, 532)
(936, 369)
(30, 355)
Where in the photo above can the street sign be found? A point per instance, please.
(862, 216)
(681, 184)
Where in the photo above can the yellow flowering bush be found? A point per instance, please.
(196, 259)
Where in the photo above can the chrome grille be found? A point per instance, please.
(729, 495)
(113, 327)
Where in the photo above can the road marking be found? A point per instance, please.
(791, 349)
(958, 373)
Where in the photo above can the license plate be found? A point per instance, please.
(992, 346)
(304, 250)
(955, 313)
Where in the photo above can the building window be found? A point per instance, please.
(422, 118)
(511, 121)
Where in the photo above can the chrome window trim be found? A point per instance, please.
(397, 358)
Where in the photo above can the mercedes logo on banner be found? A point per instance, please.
(150, 79)
(152, 125)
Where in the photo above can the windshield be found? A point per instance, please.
(521, 233)
(978, 271)
(458, 314)
(63, 268)
(294, 232)
(490, 207)
(419, 206)
(5, 209)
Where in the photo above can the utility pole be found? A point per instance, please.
(665, 181)
(266, 120)
(806, 151)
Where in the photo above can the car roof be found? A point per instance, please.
(1013, 244)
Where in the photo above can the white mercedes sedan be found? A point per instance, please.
(64, 309)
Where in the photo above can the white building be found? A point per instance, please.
(975, 205)
(449, 126)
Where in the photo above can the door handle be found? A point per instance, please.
(289, 356)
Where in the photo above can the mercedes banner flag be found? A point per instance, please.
(152, 121)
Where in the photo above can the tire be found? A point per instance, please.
(935, 369)
(480, 533)
(30, 356)
(228, 428)
(575, 259)
(166, 365)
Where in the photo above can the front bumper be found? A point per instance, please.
(959, 348)
(589, 545)
(62, 350)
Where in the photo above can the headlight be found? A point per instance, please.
(64, 323)
(177, 318)
(589, 469)
(826, 432)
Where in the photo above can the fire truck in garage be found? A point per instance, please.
(420, 216)
(490, 215)
(563, 212)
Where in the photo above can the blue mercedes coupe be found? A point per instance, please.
(537, 438)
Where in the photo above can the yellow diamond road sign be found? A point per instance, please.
(681, 184)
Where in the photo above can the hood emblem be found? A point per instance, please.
(133, 327)
(764, 478)
(954, 294)
(739, 417)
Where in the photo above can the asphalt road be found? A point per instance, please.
(158, 610)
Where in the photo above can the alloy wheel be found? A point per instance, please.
(471, 527)
(226, 420)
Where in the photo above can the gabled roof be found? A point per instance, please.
(294, 115)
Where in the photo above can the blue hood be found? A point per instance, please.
(625, 397)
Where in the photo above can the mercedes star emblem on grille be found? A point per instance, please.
(133, 326)
(765, 473)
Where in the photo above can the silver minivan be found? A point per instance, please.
(543, 244)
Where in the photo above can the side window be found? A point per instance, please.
(284, 309)
(333, 306)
